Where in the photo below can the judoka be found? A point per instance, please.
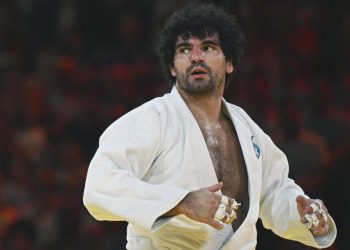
(189, 170)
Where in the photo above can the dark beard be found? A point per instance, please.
(198, 86)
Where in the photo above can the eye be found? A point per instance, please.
(184, 50)
(208, 48)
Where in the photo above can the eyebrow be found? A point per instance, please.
(205, 42)
(211, 42)
(182, 44)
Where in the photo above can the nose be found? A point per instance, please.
(197, 55)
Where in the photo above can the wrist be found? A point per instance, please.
(180, 208)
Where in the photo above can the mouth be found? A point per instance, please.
(198, 72)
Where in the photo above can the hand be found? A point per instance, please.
(201, 205)
(304, 207)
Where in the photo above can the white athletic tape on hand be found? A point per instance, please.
(233, 215)
(228, 218)
(220, 213)
(312, 220)
(315, 220)
(224, 200)
(235, 205)
(308, 224)
(315, 208)
(324, 215)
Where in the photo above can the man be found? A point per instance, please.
(189, 170)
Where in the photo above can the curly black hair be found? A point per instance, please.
(200, 20)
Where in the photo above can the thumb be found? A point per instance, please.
(301, 200)
(303, 205)
(215, 187)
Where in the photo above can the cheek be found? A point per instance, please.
(220, 67)
(218, 63)
(178, 67)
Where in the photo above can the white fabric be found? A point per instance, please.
(149, 159)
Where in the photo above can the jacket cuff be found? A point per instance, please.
(327, 240)
(158, 221)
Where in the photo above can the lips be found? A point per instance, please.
(198, 72)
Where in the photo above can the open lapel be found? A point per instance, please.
(204, 168)
(252, 159)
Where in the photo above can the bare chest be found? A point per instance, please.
(228, 161)
(227, 158)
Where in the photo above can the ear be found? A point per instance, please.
(172, 71)
(229, 67)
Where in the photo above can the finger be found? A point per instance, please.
(316, 222)
(234, 204)
(303, 220)
(230, 215)
(322, 223)
(227, 219)
(228, 210)
(322, 215)
(320, 230)
(216, 187)
(220, 212)
(323, 207)
(323, 219)
(230, 202)
(225, 200)
(303, 204)
(216, 224)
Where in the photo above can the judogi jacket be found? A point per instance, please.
(152, 157)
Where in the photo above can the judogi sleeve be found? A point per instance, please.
(114, 189)
(278, 210)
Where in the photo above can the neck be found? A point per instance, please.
(205, 108)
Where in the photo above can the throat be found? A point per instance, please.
(203, 107)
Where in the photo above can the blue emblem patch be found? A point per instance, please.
(256, 147)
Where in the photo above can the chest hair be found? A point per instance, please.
(228, 161)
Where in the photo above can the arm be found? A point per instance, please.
(278, 210)
(114, 188)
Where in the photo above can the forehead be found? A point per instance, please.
(190, 39)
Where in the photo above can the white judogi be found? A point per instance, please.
(149, 159)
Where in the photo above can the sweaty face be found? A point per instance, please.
(200, 66)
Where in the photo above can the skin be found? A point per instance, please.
(200, 68)
(304, 207)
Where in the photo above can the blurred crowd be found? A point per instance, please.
(68, 68)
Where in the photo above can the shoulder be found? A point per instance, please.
(259, 135)
(241, 114)
(146, 117)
